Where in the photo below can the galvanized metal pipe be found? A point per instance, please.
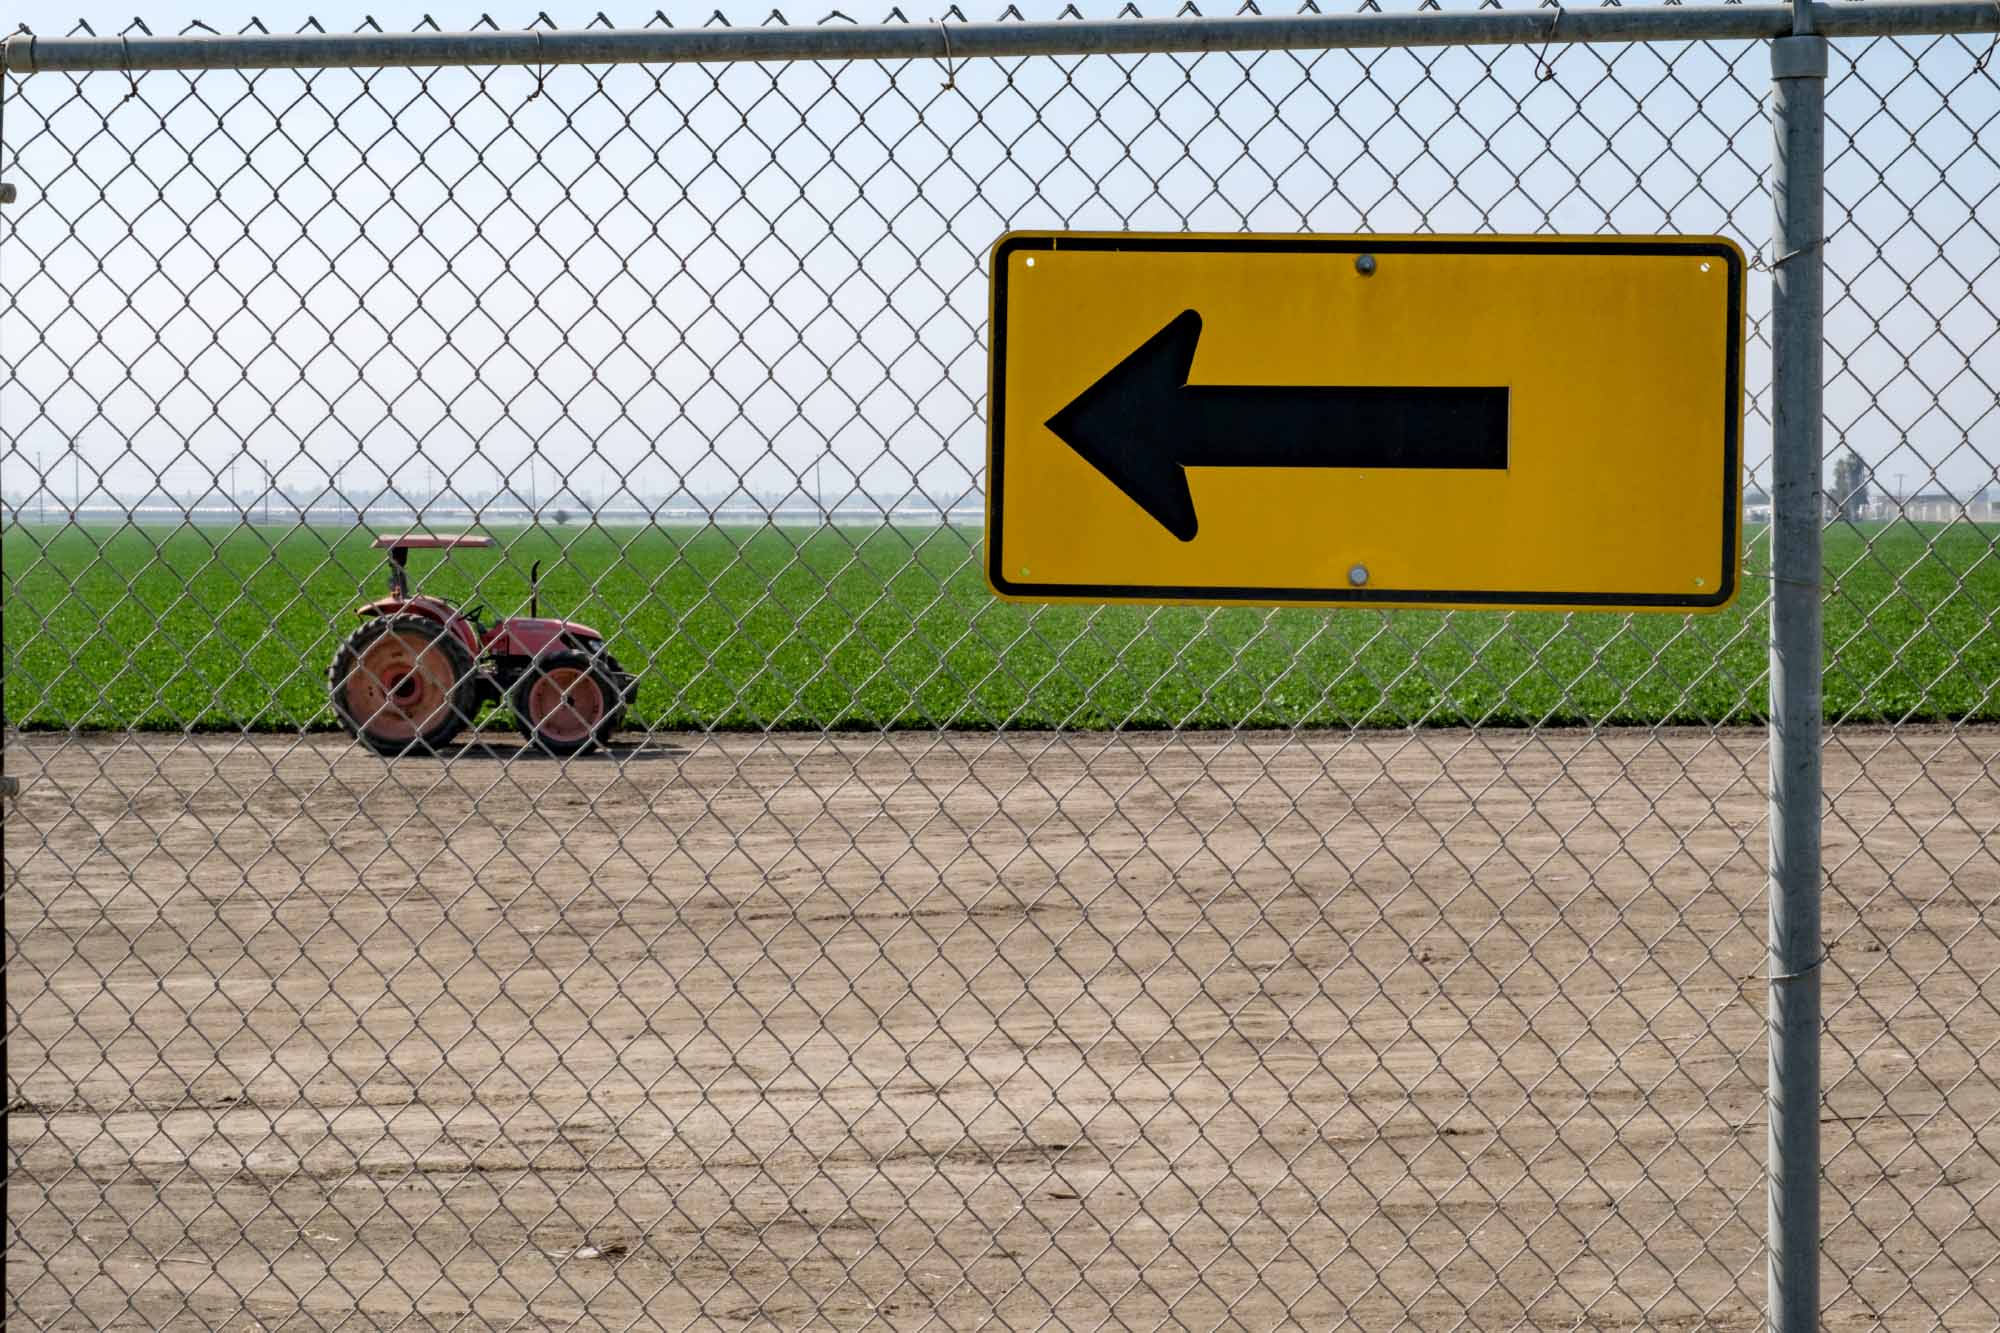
(1798, 83)
(24, 53)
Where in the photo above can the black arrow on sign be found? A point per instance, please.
(1142, 424)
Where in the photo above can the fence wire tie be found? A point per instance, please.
(1545, 69)
(125, 46)
(951, 69)
(542, 69)
(1806, 971)
(1986, 56)
(1762, 265)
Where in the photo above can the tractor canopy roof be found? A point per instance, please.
(426, 541)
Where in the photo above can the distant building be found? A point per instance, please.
(1935, 507)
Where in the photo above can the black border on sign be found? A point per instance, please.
(1732, 416)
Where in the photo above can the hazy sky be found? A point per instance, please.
(696, 274)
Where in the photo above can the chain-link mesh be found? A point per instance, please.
(911, 958)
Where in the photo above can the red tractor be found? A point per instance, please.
(419, 669)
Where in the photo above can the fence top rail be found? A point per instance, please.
(25, 53)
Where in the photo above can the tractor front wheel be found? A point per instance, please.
(403, 684)
(566, 704)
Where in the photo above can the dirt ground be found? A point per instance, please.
(925, 1031)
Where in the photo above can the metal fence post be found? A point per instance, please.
(1798, 87)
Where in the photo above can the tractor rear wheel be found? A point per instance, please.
(403, 685)
(565, 704)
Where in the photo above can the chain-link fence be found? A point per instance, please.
(911, 958)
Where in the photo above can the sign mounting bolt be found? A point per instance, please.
(1365, 265)
(1358, 575)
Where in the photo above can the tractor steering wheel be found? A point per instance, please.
(476, 614)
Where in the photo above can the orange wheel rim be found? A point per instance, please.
(401, 686)
(565, 705)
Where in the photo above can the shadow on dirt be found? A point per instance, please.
(618, 752)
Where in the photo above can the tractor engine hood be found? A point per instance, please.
(527, 636)
(535, 625)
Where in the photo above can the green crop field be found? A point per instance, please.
(873, 627)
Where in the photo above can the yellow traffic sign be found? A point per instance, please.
(1482, 421)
